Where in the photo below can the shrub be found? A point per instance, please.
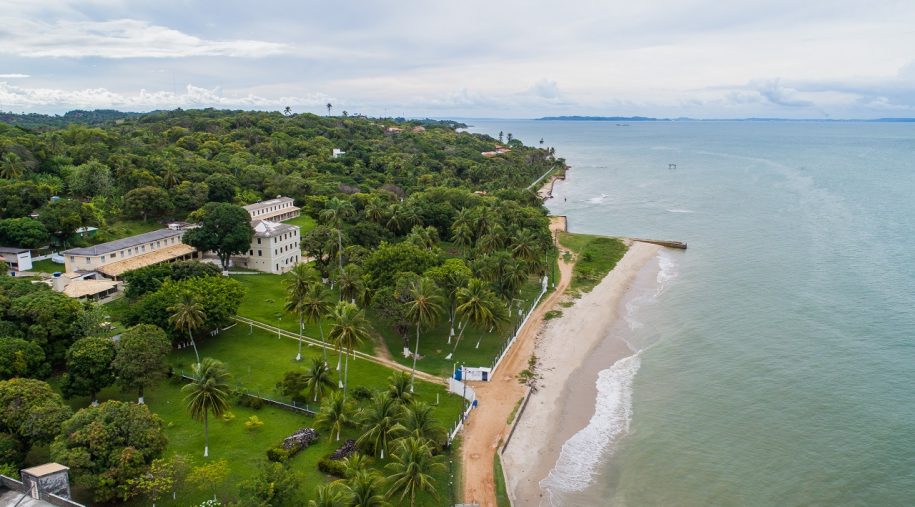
(253, 423)
(228, 417)
(332, 467)
(362, 393)
(277, 454)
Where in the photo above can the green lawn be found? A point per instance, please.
(46, 266)
(124, 228)
(595, 257)
(502, 499)
(305, 223)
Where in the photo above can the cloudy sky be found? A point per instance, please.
(699, 58)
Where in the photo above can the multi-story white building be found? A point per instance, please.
(274, 248)
(113, 258)
(275, 210)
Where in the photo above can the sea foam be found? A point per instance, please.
(580, 456)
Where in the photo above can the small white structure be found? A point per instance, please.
(276, 210)
(19, 259)
(337, 153)
(475, 374)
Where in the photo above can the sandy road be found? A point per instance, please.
(488, 424)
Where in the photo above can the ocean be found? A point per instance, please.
(777, 354)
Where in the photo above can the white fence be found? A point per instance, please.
(461, 389)
(511, 341)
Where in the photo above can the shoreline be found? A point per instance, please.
(565, 400)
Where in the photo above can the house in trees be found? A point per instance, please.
(18, 259)
(274, 210)
(114, 258)
(274, 248)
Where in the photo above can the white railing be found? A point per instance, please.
(511, 341)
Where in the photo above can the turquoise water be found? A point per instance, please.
(783, 364)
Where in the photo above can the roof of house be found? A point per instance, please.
(138, 261)
(268, 229)
(81, 288)
(12, 249)
(47, 468)
(120, 244)
(271, 202)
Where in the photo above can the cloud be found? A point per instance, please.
(14, 76)
(145, 100)
(120, 38)
(546, 89)
(774, 92)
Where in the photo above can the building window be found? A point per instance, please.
(87, 260)
(258, 241)
(259, 254)
(103, 258)
(72, 258)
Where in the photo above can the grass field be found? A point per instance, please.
(124, 228)
(47, 266)
(305, 223)
(595, 257)
(502, 499)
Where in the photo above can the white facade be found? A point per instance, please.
(276, 210)
(274, 248)
(18, 259)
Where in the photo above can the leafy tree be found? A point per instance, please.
(321, 245)
(31, 410)
(20, 198)
(380, 423)
(336, 211)
(209, 476)
(47, 318)
(478, 306)
(108, 446)
(147, 279)
(188, 196)
(219, 296)
(88, 367)
(12, 452)
(423, 309)
(222, 187)
(450, 277)
(11, 166)
(61, 218)
(188, 315)
(385, 262)
(90, 179)
(274, 485)
(160, 478)
(314, 307)
(208, 392)
(21, 358)
(412, 469)
(23, 232)
(297, 286)
(399, 384)
(224, 229)
(147, 201)
(348, 330)
(140, 357)
(335, 413)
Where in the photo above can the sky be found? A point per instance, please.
(464, 59)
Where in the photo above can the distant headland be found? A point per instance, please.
(645, 118)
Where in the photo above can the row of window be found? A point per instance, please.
(290, 260)
(272, 208)
(132, 250)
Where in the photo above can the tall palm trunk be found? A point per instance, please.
(206, 435)
(345, 377)
(457, 340)
(194, 344)
(298, 356)
(415, 354)
(323, 343)
(140, 401)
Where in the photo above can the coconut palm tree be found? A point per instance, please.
(420, 422)
(399, 384)
(328, 495)
(207, 393)
(524, 246)
(315, 307)
(300, 278)
(349, 281)
(423, 309)
(188, 315)
(11, 166)
(412, 469)
(335, 413)
(318, 379)
(462, 236)
(335, 211)
(349, 329)
(355, 463)
(329, 107)
(374, 210)
(479, 306)
(364, 490)
(380, 423)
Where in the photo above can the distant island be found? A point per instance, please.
(644, 118)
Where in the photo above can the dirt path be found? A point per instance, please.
(488, 425)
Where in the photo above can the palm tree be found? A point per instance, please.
(514, 274)
(462, 235)
(380, 423)
(524, 246)
(349, 329)
(328, 495)
(423, 309)
(335, 211)
(329, 107)
(11, 166)
(479, 306)
(350, 282)
(334, 415)
(355, 463)
(374, 210)
(300, 278)
(364, 490)
(399, 384)
(420, 422)
(412, 469)
(318, 378)
(188, 315)
(208, 392)
(314, 307)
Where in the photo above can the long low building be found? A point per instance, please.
(274, 210)
(114, 258)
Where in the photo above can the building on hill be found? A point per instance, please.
(274, 210)
(274, 248)
(18, 259)
(114, 258)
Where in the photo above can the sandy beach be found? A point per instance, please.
(571, 351)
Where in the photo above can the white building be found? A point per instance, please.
(114, 258)
(274, 248)
(18, 259)
(275, 210)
